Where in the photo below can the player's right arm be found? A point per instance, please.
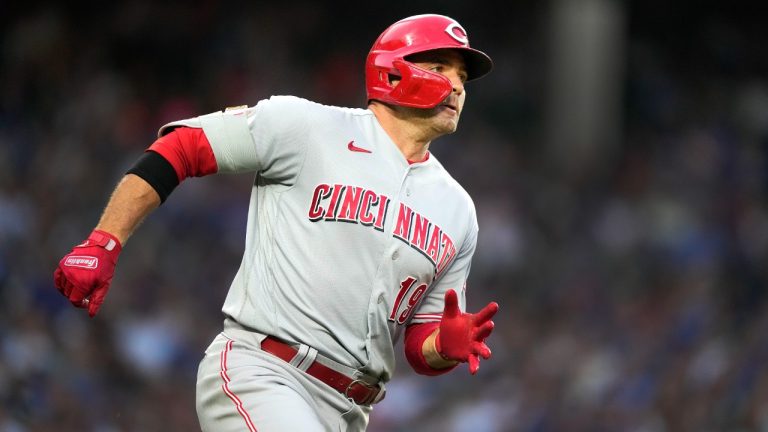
(131, 201)
(84, 274)
(220, 142)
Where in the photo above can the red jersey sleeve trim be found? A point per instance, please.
(188, 151)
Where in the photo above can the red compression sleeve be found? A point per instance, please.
(188, 151)
(415, 335)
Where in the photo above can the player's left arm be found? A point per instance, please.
(460, 336)
(436, 347)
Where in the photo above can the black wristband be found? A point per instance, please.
(156, 171)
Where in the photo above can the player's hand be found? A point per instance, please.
(84, 274)
(462, 335)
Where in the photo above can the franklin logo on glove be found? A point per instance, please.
(82, 262)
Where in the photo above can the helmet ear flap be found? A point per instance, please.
(419, 88)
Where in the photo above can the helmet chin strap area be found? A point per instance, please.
(419, 88)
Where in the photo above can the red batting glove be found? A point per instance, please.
(84, 274)
(462, 335)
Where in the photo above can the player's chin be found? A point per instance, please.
(449, 126)
(451, 130)
(448, 120)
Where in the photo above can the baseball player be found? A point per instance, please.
(356, 237)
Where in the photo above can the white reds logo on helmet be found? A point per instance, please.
(457, 32)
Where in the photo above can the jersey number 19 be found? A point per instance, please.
(413, 300)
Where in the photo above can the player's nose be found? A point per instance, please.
(457, 84)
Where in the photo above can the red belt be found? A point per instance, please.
(359, 391)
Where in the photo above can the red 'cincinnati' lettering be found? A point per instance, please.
(420, 233)
(348, 204)
(403, 223)
(369, 199)
(333, 206)
(355, 204)
(421, 227)
(382, 215)
(433, 248)
(447, 254)
(315, 211)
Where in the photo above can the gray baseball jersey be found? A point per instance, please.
(346, 241)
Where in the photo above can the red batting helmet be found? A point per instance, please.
(418, 88)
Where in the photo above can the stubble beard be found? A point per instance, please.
(433, 119)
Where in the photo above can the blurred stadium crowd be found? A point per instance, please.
(632, 298)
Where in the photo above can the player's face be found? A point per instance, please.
(444, 118)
